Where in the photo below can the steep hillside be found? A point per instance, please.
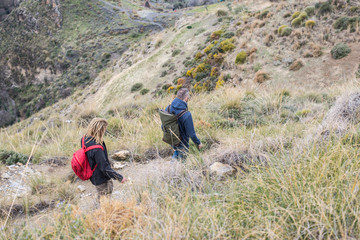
(275, 101)
(50, 48)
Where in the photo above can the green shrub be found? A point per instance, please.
(310, 23)
(11, 157)
(295, 15)
(227, 45)
(175, 52)
(343, 23)
(281, 28)
(136, 87)
(303, 16)
(198, 55)
(263, 14)
(354, 8)
(324, 7)
(296, 22)
(167, 85)
(241, 57)
(221, 13)
(216, 34)
(144, 91)
(284, 30)
(229, 35)
(310, 10)
(208, 48)
(340, 50)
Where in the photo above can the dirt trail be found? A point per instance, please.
(138, 175)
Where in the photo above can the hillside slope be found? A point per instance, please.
(275, 101)
(49, 49)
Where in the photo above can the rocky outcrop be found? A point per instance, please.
(121, 155)
(345, 112)
(192, 3)
(56, 15)
(221, 170)
(7, 109)
(6, 6)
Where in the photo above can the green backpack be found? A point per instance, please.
(170, 127)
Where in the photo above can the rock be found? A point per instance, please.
(277, 63)
(288, 61)
(345, 112)
(121, 155)
(12, 167)
(81, 188)
(118, 165)
(5, 175)
(221, 170)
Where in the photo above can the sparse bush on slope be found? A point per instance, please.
(296, 22)
(344, 23)
(284, 30)
(136, 87)
(324, 7)
(310, 24)
(340, 50)
(221, 13)
(11, 157)
(310, 10)
(241, 57)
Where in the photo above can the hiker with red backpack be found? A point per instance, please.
(92, 162)
(178, 125)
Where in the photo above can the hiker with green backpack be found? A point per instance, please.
(178, 125)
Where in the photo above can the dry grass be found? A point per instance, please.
(290, 185)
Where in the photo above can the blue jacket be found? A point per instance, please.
(185, 122)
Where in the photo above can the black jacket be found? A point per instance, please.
(103, 171)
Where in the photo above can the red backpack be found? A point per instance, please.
(80, 163)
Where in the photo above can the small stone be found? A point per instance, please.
(221, 170)
(277, 63)
(288, 61)
(81, 188)
(5, 175)
(118, 165)
(12, 167)
(121, 155)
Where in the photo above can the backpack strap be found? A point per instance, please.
(91, 147)
(182, 113)
(179, 115)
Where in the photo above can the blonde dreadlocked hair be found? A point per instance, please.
(96, 130)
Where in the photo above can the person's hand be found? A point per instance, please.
(200, 146)
(124, 180)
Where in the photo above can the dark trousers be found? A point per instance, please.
(104, 189)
